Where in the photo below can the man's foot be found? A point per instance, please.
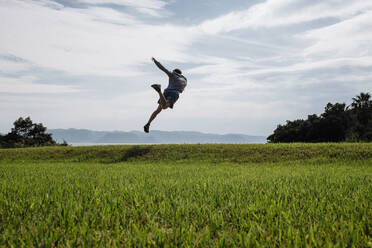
(146, 128)
(156, 87)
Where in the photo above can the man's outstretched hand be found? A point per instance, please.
(160, 66)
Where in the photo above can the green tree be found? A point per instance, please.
(22, 127)
(334, 123)
(361, 111)
(25, 133)
(337, 123)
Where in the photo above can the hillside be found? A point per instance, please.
(216, 153)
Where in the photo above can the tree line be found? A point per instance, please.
(25, 133)
(338, 123)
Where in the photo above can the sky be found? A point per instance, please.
(250, 65)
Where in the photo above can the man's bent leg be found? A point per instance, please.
(152, 117)
(163, 101)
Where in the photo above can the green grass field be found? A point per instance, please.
(273, 195)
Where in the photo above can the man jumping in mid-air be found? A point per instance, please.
(177, 83)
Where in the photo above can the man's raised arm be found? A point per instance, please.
(161, 67)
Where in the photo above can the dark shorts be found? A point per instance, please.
(171, 96)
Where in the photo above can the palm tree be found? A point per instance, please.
(362, 107)
(362, 101)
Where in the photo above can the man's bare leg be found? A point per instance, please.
(152, 117)
(163, 105)
(163, 101)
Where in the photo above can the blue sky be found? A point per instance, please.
(251, 65)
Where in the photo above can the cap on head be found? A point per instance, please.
(177, 71)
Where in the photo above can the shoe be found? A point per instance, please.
(156, 87)
(146, 128)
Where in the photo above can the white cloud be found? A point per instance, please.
(152, 4)
(45, 3)
(85, 41)
(26, 85)
(150, 7)
(320, 55)
(9, 66)
(349, 38)
(106, 15)
(274, 13)
(310, 65)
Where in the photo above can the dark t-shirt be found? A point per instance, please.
(176, 81)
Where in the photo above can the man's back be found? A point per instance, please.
(177, 82)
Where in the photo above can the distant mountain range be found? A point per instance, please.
(84, 136)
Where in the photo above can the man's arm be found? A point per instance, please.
(161, 67)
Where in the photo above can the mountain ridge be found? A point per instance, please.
(73, 135)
